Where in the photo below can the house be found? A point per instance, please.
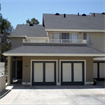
(64, 50)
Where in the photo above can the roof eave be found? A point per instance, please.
(75, 30)
(33, 54)
(17, 36)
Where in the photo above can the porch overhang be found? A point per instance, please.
(54, 50)
(99, 59)
(33, 54)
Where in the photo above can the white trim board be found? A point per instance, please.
(99, 59)
(89, 83)
(75, 30)
(17, 36)
(33, 54)
(37, 37)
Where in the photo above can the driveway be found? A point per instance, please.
(55, 95)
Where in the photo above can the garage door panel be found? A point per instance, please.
(95, 70)
(38, 72)
(77, 72)
(102, 70)
(67, 76)
(49, 72)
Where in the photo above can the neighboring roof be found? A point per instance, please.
(89, 22)
(50, 50)
(29, 31)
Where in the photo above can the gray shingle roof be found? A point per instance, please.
(54, 50)
(88, 22)
(29, 31)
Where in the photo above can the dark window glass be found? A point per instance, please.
(85, 36)
(65, 35)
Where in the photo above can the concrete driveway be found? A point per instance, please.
(55, 95)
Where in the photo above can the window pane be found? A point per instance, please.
(65, 35)
(56, 37)
(74, 37)
(84, 36)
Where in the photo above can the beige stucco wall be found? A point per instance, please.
(16, 42)
(27, 65)
(9, 69)
(97, 40)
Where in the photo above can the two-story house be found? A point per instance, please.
(61, 51)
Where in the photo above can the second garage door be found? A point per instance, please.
(72, 73)
(44, 73)
(99, 70)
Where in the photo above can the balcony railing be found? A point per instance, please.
(35, 40)
(67, 41)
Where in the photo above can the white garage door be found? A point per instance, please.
(77, 72)
(72, 72)
(95, 69)
(102, 70)
(67, 76)
(38, 72)
(49, 72)
(99, 70)
(44, 73)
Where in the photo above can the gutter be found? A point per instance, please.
(33, 54)
(74, 30)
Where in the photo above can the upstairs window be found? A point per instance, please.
(85, 36)
(65, 36)
(74, 37)
(56, 37)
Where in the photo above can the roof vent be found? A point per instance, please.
(57, 14)
(64, 15)
(103, 13)
(83, 14)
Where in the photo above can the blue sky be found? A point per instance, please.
(18, 11)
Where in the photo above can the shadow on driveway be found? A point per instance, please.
(100, 85)
(4, 93)
(57, 87)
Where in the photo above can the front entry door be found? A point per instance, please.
(44, 73)
(19, 69)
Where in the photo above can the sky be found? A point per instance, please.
(18, 11)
